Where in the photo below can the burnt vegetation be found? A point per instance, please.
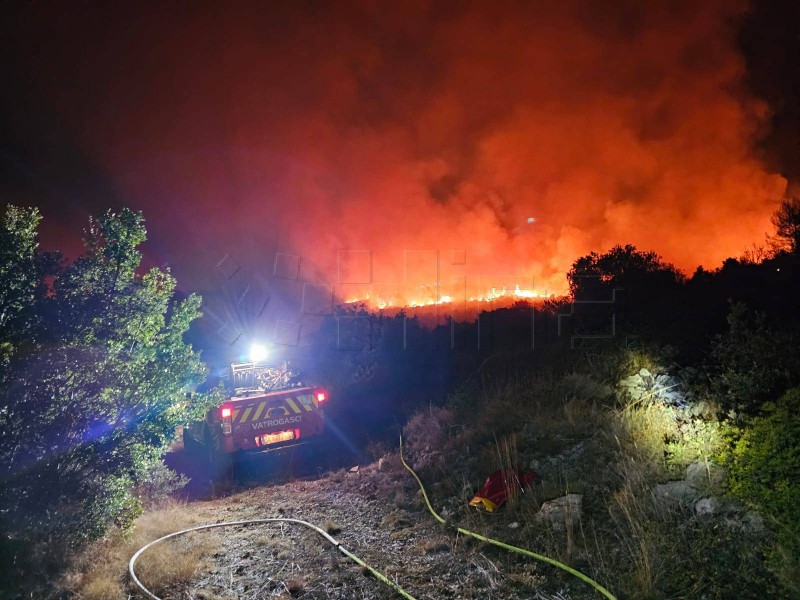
(667, 403)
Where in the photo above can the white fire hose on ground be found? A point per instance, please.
(380, 576)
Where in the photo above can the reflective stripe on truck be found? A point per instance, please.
(275, 407)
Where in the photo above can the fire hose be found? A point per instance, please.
(499, 544)
(378, 575)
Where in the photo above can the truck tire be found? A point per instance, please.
(204, 452)
(191, 445)
(218, 462)
(212, 438)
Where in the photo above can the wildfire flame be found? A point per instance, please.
(376, 301)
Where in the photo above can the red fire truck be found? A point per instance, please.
(266, 411)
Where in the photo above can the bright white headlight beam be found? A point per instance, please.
(258, 352)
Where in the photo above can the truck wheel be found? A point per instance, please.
(191, 445)
(218, 462)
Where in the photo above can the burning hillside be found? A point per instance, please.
(459, 306)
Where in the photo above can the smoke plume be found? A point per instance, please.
(393, 142)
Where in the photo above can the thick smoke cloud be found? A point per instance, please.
(420, 126)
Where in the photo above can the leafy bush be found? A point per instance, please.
(753, 362)
(697, 440)
(641, 290)
(621, 266)
(94, 379)
(763, 463)
(158, 484)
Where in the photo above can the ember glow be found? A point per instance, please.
(462, 151)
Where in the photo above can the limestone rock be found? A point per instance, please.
(707, 506)
(561, 511)
(753, 522)
(750, 522)
(701, 475)
(676, 492)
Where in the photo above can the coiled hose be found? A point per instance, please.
(509, 547)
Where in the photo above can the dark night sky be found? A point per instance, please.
(309, 127)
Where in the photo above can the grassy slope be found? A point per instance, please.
(581, 437)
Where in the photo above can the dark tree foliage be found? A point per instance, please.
(754, 362)
(95, 375)
(640, 290)
(786, 221)
(23, 272)
(619, 267)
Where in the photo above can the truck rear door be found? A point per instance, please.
(267, 420)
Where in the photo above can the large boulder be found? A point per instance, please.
(753, 523)
(730, 513)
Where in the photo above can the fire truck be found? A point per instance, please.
(268, 409)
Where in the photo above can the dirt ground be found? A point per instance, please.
(375, 512)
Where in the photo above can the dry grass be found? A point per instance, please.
(155, 524)
(100, 572)
(648, 429)
(171, 563)
(426, 435)
(508, 464)
(636, 538)
(103, 586)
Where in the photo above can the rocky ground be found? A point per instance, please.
(605, 503)
(376, 512)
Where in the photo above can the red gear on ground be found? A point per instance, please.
(499, 485)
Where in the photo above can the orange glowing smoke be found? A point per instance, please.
(416, 151)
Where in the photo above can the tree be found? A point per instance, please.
(786, 220)
(22, 273)
(621, 266)
(626, 288)
(95, 379)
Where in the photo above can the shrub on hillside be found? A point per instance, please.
(94, 374)
(763, 464)
(755, 363)
(426, 434)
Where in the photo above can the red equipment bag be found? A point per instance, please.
(499, 486)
